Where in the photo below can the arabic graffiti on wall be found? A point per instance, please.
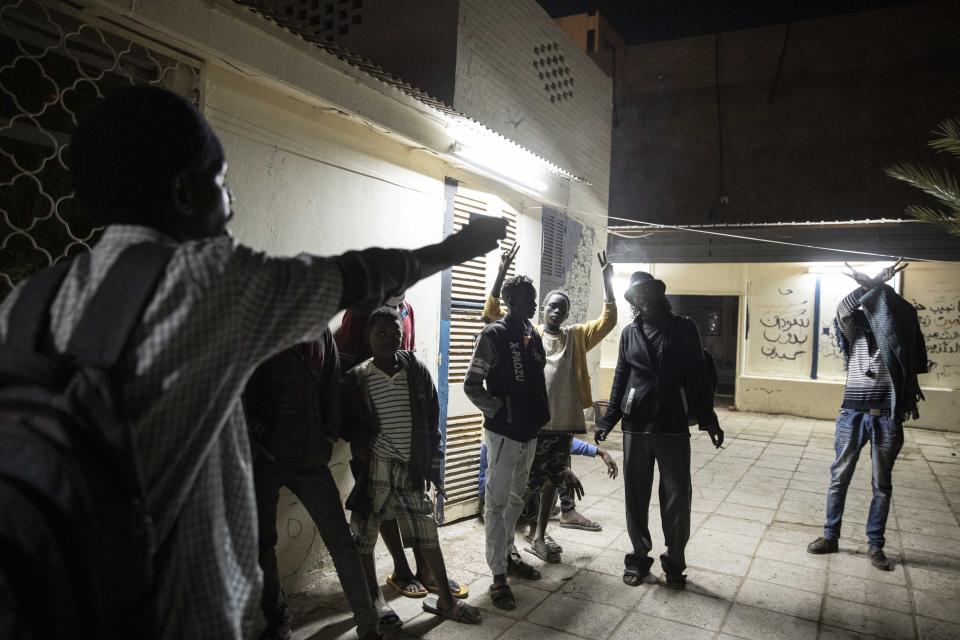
(785, 327)
(939, 317)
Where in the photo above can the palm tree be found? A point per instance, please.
(942, 185)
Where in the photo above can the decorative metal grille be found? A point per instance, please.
(54, 65)
(553, 71)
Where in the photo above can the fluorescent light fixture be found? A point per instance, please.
(500, 158)
(869, 268)
(504, 164)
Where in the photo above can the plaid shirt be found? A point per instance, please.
(219, 311)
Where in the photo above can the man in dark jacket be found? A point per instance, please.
(509, 359)
(661, 379)
(881, 340)
(292, 405)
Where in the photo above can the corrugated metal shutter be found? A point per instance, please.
(551, 258)
(469, 292)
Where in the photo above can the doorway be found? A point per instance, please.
(716, 317)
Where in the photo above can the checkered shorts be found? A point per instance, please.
(390, 494)
(551, 460)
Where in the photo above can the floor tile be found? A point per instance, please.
(687, 607)
(575, 615)
(603, 588)
(638, 625)
(786, 574)
(759, 624)
(763, 595)
(883, 623)
(875, 594)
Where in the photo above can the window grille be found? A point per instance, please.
(55, 64)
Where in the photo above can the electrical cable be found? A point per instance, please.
(657, 225)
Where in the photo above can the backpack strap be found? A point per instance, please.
(118, 304)
(29, 319)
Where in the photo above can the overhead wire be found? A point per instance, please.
(736, 236)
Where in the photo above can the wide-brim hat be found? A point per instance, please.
(640, 279)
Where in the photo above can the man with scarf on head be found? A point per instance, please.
(880, 337)
(661, 378)
(148, 167)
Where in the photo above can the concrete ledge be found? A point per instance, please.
(822, 398)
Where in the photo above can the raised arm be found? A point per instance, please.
(492, 311)
(281, 301)
(596, 330)
(851, 302)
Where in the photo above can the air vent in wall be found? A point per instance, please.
(326, 19)
(553, 72)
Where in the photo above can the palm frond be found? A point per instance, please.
(948, 137)
(950, 221)
(942, 186)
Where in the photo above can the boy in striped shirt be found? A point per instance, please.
(391, 416)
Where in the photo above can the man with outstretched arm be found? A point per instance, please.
(661, 379)
(884, 348)
(148, 167)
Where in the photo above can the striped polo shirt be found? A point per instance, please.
(390, 396)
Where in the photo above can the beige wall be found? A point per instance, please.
(774, 368)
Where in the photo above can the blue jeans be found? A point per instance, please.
(854, 430)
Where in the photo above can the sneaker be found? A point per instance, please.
(678, 582)
(823, 545)
(879, 559)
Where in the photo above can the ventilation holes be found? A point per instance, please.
(549, 64)
(326, 19)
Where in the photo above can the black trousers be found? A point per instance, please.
(671, 454)
(318, 493)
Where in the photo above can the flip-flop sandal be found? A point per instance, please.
(458, 590)
(502, 597)
(632, 578)
(407, 588)
(586, 525)
(544, 552)
(390, 622)
(522, 570)
(553, 544)
(462, 612)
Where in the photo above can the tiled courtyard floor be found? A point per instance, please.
(757, 503)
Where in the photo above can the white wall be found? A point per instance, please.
(309, 181)
(498, 85)
(775, 359)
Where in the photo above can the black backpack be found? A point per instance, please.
(76, 541)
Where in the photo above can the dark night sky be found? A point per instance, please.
(639, 21)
